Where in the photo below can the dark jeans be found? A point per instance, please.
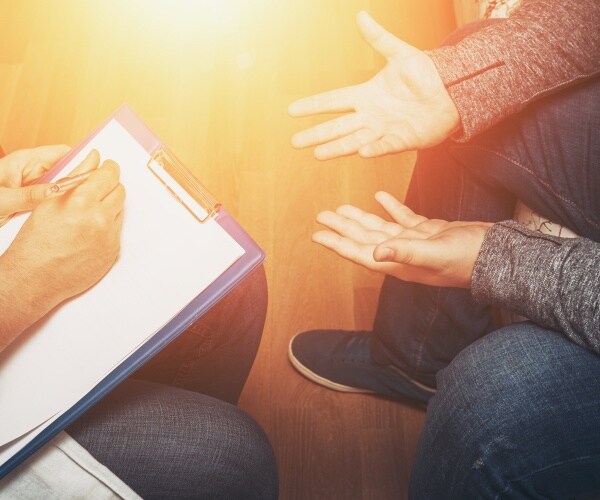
(547, 156)
(517, 410)
(172, 430)
(516, 415)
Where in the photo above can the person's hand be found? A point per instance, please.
(70, 241)
(18, 170)
(412, 248)
(403, 107)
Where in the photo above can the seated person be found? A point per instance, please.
(507, 111)
(172, 430)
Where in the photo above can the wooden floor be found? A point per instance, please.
(213, 78)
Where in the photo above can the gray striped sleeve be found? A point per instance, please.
(553, 281)
(543, 47)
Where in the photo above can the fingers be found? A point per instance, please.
(346, 145)
(101, 183)
(346, 248)
(363, 226)
(90, 162)
(27, 198)
(350, 228)
(46, 156)
(369, 221)
(385, 145)
(35, 162)
(327, 131)
(398, 211)
(40, 160)
(119, 223)
(333, 101)
(115, 201)
(381, 40)
(412, 252)
(13, 200)
(23, 167)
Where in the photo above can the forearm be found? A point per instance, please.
(22, 302)
(543, 47)
(553, 281)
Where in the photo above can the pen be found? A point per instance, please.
(67, 183)
(57, 187)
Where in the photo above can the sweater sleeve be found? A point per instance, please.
(553, 281)
(496, 71)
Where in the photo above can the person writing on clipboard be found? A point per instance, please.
(120, 447)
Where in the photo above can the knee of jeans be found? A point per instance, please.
(493, 370)
(482, 393)
(468, 430)
(497, 412)
(246, 462)
(502, 360)
(469, 388)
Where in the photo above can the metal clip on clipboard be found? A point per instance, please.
(188, 190)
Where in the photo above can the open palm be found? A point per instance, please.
(403, 107)
(411, 248)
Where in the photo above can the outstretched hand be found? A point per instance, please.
(412, 248)
(403, 107)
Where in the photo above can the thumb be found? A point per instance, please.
(13, 200)
(419, 253)
(381, 40)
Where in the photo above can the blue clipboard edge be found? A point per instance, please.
(247, 263)
(240, 269)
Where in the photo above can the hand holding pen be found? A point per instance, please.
(65, 184)
(70, 240)
(18, 194)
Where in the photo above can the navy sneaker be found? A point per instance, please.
(341, 360)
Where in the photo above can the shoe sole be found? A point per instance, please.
(317, 379)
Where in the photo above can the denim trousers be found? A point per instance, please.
(548, 157)
(516, 415)
(517, 410)
(173, 430)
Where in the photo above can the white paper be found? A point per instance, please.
(167, 258)
(10, 449)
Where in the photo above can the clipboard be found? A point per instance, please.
(194, 198)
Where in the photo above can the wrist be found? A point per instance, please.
(23, 300)
(448, 120)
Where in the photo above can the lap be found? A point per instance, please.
(545, 156)
(166, 442)
(516, 412)
(215, 354)
(165, 437)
